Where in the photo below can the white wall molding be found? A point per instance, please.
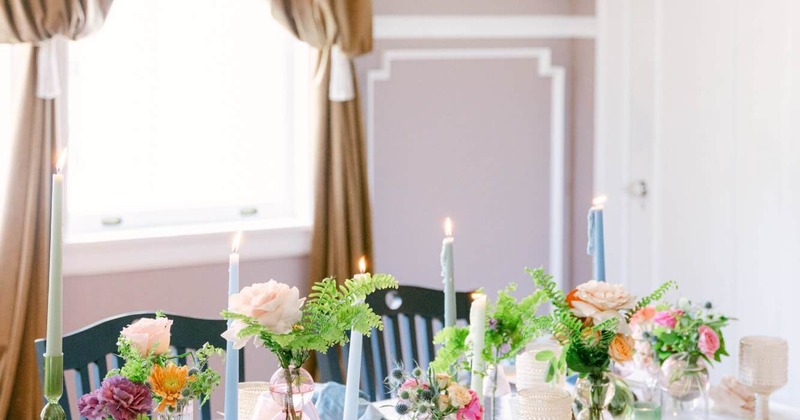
(483, 27)
(546, 68)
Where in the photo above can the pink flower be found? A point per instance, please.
(667, 319)
(643, 315)
(124, 400)
(91, 407)
(471, 411)
(149, 334)
(708, 342)
(274, 305)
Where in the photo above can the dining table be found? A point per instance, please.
(777, 412)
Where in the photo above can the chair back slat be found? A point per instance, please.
(91, 351)
(410, 317)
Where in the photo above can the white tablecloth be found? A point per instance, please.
(777, 412)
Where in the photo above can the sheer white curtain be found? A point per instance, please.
(9, 101)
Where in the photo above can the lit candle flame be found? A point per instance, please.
(62, 160)
(237, 240)
(448, 227)
(599, 201)
(362, 264)
(476, 295)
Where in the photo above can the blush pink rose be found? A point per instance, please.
(708, 342)
(274, 305)
(148, 334)
(472, 411)
(667, 319)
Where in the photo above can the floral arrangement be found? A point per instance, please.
(435, 396)
(150, 382)
(591, 322)
(511, 325)
(275, 317)
(684, 328)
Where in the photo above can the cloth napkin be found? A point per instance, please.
(329, 399)
(327, 403)
(732, 397)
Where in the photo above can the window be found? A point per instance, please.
(187, 113)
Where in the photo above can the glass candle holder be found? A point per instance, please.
(763, 366)
(531, 372)
(544, 403)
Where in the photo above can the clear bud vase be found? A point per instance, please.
(684, 378)
(291, 388)
(594, 393)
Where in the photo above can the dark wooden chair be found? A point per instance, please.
(90, 352)
(411, 317)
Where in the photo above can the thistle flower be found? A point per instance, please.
(401, 408)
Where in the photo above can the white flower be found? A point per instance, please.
(602, 301)
(685, 304)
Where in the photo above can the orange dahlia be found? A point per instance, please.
(167, 383)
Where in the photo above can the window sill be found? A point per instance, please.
(169, 247)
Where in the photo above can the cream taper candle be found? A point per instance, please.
(55, 287)
(477, 329)
(353, 381)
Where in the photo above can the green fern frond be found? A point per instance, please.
(657, 295)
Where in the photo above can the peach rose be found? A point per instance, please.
(442, 380)
(601, 301)
(459, 396)
(149, 335)
(443, 402)
(274, 305)
(621, 349)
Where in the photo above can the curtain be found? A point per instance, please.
(339, 30)
(24, 239)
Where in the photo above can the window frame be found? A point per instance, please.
(161, 246)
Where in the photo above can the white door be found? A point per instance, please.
(701, 102)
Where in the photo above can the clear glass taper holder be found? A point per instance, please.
(53, 387)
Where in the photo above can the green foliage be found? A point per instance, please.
(657, 295)
(330, 311)
(203, 380)
(511, 325)
(454, 348)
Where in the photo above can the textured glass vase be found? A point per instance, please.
(684, 379)
(291, 388)
(594, 393)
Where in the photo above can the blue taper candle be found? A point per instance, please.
(596, 243)
(232, 354)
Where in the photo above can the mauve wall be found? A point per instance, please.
(470, 139)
